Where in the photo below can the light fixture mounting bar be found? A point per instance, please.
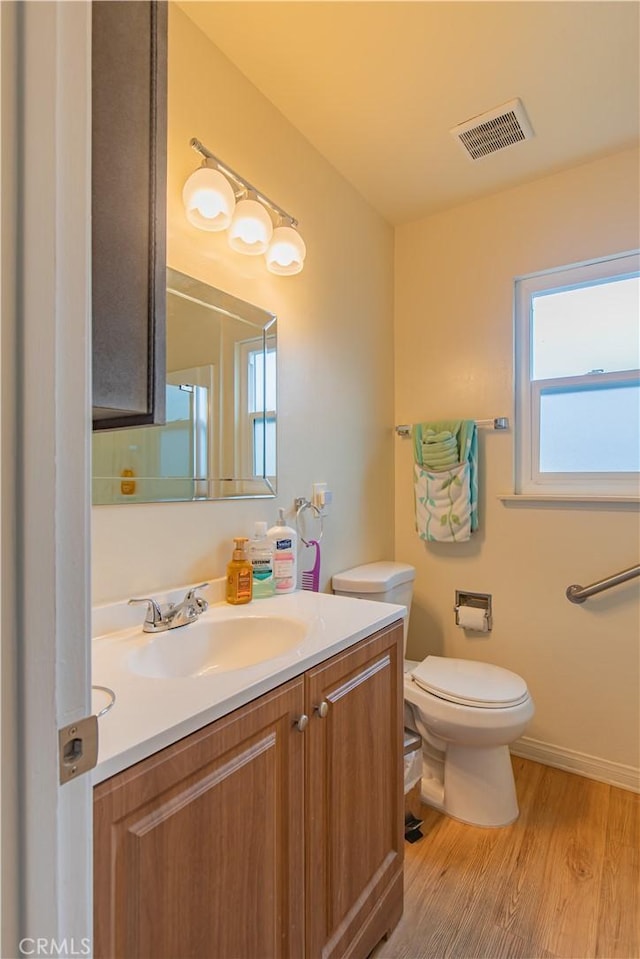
(200, 148)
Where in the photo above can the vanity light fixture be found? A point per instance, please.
(209, 199)
(286, 252)
(251, 227)
(217, 198)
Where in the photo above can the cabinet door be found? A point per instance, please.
(129, 149)
(199, 849)
(354, 797)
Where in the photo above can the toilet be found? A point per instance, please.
(467, 713)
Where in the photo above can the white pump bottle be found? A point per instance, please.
(285, 554)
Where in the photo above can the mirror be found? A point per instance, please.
(219, 440)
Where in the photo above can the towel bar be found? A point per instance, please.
(497, 423)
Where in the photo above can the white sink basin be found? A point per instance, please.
(216, 646)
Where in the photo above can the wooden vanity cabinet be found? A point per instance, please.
(252, 839)
(199, 850)
(355, 798)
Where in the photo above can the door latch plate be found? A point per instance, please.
(78, 748)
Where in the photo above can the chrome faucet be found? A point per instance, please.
(172, 615)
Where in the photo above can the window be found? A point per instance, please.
(578, 379)
(262, 410)
(258, 407)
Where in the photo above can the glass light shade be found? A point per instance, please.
(209, 200)
(286, 252)
(250, 229)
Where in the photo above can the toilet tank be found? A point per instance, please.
(384, 582)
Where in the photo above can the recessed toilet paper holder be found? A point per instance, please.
(480, 601)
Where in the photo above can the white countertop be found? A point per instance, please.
(151, 713)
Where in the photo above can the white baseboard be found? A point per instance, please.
(593, 767)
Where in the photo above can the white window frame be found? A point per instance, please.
(246, 419)
(529, 481)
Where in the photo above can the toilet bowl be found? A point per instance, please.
(467, 713)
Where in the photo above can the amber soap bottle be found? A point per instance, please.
(239, 574)
(127, 483)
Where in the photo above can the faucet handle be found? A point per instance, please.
(191, 591)
(154, 613)
(198, 600)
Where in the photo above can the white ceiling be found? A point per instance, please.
(376, 86)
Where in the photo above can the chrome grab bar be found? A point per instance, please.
(578, 594)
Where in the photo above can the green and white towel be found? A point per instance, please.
(446, 480)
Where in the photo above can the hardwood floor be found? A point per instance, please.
(560, 883)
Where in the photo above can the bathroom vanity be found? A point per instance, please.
(276, 829)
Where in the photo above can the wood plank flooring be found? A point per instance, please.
(560, 883)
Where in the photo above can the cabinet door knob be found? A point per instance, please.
(322, 709)
(302, 722)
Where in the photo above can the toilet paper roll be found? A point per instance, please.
(472, 617)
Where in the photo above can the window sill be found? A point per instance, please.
(569, 499)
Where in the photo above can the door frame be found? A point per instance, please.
(46, 430)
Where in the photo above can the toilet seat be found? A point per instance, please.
(468, 683)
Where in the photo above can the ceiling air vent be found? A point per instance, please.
(494, 130)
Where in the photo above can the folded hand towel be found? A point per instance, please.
(430, 436)
(440, 461)
(439, 450)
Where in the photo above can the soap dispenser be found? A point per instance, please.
(239, 574)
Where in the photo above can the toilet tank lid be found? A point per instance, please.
(470, 683)
(373, 577)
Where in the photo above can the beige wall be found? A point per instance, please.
(453, 352)
(453, 355)
(335, 339)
